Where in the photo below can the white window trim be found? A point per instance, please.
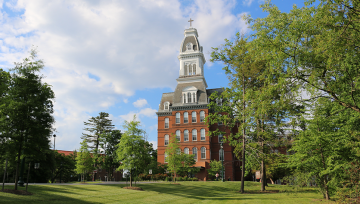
(186, 117)
(168, 105)
(186, 152)
(221, 137)
(195, 157)
(203, 118)
(166, 123)
(187, 135)
(176, 118)
(192, 117)
(201, 153)
(201, 138)
(178, 135)
(192, 135)
(166, 140)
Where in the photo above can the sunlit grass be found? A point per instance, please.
(187, 192)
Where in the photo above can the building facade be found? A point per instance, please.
(182, 114)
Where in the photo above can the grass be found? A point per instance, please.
(187, 192)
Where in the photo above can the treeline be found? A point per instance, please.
(294, 83)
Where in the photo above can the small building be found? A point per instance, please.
(182, 113)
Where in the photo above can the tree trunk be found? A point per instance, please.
(17, 166)
(243, 152)
(326, 194)
(130, 178)
(263, 170)
(272, 182)
(27, 179)
(5, 173)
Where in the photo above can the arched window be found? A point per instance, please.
(166, 140)
(221, 137)
(203, 153)
(194, 151)
(193, 98)
(189, 46)
(178, 151)
(177, 115)
(166, 122)
(186, 135)
(178, 135)
(194, 69)
(186, 117)
(189, 97)
(221, 155)
(202, 134)
(193, 117)
(202, 116)
(185, 70)
(194, 135)
(190, 70)
(186, 150)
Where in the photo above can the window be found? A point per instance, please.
(219, 101)
(166, 106)
(194, 135)
(276, 151)
(178, 151)
(178, 135)
(194, 69)
(184, 98)
(177, 115)
(185, 70)
(194, 151)
(186, 117)
(189, 46)
(193, 98)
(202, 116)
(221, 155)
(220, 120)
(190, 70)
(186, 135)
(166, 140)
(221, 138)
(166, 122)
(203, 152)
(165, 156)
(202, 134)
(186, 150)
(189, 97)
(193, 117)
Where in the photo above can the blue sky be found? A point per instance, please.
(117, 56)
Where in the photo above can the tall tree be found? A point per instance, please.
(97, 126)
(27, 107)
(84, 160)
(109, 144)
(132, 151)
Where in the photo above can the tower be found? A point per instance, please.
(182, 112)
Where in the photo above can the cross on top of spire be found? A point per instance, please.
(190, 22)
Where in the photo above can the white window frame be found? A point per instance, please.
(202, 134)
(194, 152)
(194, 69)
(202, 116)
(165, 156)
(203, 152)
(189, 46)
(166, 140)
(194, 135)
(177, 118)
(221, 154)
(166, 105)
(193, 117)
(220, 121)
(186, 150)
(186, 116)
(166, 123)
(178, 135)
(186, 135)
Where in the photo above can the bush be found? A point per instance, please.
(179, 179)
(195, 179)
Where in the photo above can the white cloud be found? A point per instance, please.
(154, 143)
(127, 45)
(140, 103)
(247, 2)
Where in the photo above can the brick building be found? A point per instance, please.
(182, 113)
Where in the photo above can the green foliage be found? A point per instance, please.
(133, 152)
(215, 167)
(84, 160)
(109, 142)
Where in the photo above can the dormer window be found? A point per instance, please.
(189, 94)
(166, 105)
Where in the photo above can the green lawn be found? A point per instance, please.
(187, 192)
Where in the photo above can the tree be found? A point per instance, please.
(64, 167)
(97, 126)
(177, 160)
(84, 160)
(132, 151)
(215, 167)
(26, 111)
(109, 144)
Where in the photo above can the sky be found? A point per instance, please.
(117, 56)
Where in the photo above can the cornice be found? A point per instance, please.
(167, 113)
